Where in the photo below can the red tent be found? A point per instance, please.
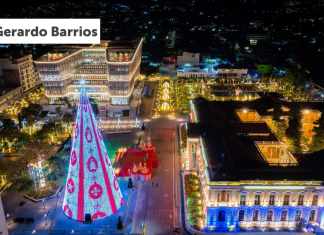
(136, 162)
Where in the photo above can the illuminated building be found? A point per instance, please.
(19, 72)
(107, 71)
(209, 70)
(92, 188)
(249, 179)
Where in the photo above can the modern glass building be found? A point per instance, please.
(107, 71)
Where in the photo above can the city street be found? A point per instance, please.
(158, 205)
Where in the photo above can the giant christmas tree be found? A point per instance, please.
(91, 185)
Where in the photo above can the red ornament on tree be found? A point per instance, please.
(92, 164)
(70, 186)
(88, 135)
(95, 191)
(67, 210)
(98, 214)
(73, 157)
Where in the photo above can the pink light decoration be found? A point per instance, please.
(91, 185)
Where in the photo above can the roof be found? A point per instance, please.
(231, 149)
(130, 44)
(56, 55)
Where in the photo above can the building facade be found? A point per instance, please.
(108, 72)
(19, 72)
(250, 181)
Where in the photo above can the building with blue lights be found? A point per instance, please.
(250, 181)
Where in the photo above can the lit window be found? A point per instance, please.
(256, 215)
(286, 200)
(298, 215)
(242, 200)
(312, 216)
(257, 199)
(284, 215)
(300, 200)
(270, 215)
(272, 199)
(223, 196)
(241, 215)
(315, 200)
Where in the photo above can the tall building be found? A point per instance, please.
(248, 177)
(19, 72)
(107, 71)
(92, 190)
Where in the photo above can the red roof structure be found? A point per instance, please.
(136, 162)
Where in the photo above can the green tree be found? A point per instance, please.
(30, 114)
(293, 130)
(264, 69)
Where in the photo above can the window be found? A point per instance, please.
(284, 215)
(257, 199)
(312, 216)
(223, 196)
(270, 215)
(242, 200)
(256, 215)
(300, 200)
(272, 199)
(241, 215)
(315, 200)
(221, 216)
(298, 215)
(286, 200)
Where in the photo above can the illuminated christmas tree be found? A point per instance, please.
(91, 185)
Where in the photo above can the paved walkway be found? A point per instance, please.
(158, 204)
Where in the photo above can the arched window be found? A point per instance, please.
(315, 200)
(242, 199)
(223, 196)
(284, 215)
(298, 215)
(312, 216)
(256, 215)
(272, 199)
(241, 215)
(270, 215)
(221, 216)
(286, 199)
(300, 199)
(257, 199)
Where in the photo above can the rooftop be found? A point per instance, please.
(56, 55)
(121, 51)
(240, 146)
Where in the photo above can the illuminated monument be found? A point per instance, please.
(91, 186)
